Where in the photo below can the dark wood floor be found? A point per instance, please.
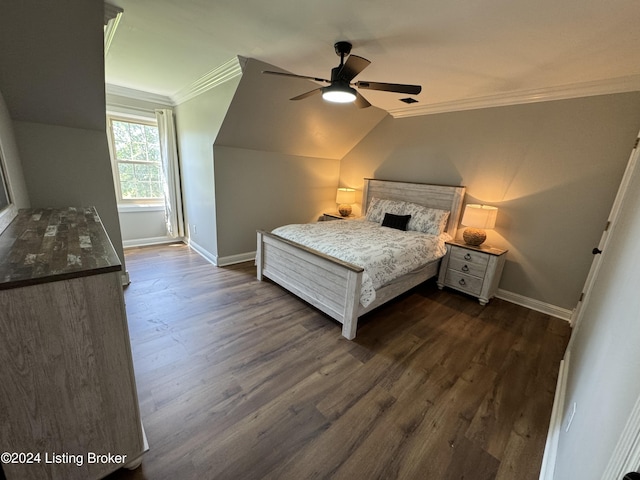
(238, 379)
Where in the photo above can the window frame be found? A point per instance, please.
(127, 203)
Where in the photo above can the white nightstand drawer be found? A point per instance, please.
(469, 256)
(472, 270)
(463, 266)
(466, 283)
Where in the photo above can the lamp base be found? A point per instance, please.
(474, 236)
(344, 209)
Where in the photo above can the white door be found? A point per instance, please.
(608, 230)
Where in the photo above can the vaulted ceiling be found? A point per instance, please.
(461, 52)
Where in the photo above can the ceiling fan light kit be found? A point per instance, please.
(340, 88)
(339, 93)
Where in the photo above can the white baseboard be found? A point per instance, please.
(221, 261)
(240, 258)
(203, 252)
(547, 469)
(145, 242)
(538, 306)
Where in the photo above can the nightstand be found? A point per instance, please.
(472, 270)
(336, 216)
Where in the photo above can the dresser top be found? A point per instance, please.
(50, 244)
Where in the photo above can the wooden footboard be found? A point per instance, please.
(329, 284)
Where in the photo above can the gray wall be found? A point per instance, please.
(14, 174)
(263, 190)
(52, 77)
(553, 169)
(252, 159)
(277, 161)
(604, 361)
(198, 122)
(261, 117)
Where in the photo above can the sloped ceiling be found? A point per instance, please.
(50, 63)
(463, 53)
(260, 117)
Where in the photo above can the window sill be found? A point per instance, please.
(140, 208)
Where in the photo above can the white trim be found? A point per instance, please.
(626, 456)
(115, 109)
(548, 467)
(222, 73)
(537, 305)
(233, 259)
(112, 17)
(203, 252)
(209, 80)
(629, 83)
(124, 277)
(137, 95)
(139, 208)
(144, 242)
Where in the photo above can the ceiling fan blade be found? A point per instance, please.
(352, 67)
(307, 94)
(293, 75)
(390, 87)
(361, 102)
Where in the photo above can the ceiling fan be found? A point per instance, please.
(340, 88)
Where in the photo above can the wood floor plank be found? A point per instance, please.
(238, 379)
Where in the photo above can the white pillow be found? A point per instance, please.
(424, 219)
(379, 206)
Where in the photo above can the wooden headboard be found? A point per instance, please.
(434, 196)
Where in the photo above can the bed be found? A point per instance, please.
(335, 286)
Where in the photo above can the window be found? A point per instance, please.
(135, 150)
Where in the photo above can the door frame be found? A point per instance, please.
(609, 228)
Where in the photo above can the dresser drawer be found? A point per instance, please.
(463, 266)
(464, 282)
(469, 256)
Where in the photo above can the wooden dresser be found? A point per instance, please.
(68, 400)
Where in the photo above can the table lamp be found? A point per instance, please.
(344, 199)
(477, 218)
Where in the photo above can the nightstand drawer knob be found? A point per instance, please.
(462, 282)
(465, 268)
(467, 256)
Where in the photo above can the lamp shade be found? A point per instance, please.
(479, 216)
(346, 195)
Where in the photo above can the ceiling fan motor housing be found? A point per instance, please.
(342, 48)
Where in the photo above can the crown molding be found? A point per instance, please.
(629, 83)
(111, 89)
(212, 79)
(112, 16)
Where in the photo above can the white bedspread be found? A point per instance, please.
(384, 253)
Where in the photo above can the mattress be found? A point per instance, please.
(384, 253)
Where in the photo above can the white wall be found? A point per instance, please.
(604, 361)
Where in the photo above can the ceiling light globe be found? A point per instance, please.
(339, 95)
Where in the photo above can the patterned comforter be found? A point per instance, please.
(384, 253)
